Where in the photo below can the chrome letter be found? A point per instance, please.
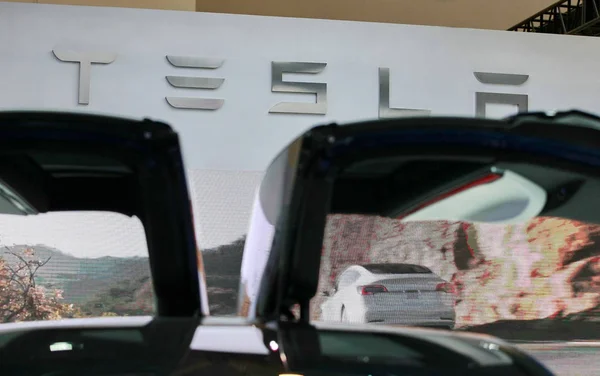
(278, 85)
(483, 98)
(385, 111)
(85, 60)
(195, 83)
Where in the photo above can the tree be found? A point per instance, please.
(129, 297)
(21, 297)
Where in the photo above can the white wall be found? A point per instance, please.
(431, 68)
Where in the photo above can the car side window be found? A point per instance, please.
(343, 281)
(347, 279)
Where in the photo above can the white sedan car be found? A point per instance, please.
(402, 294)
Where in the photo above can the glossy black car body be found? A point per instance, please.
(271, 336)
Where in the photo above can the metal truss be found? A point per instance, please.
(574, 17)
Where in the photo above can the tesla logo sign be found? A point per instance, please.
(483, 99)
(278, 85)
(206, 83)
(85, 61)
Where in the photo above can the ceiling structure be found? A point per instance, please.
(481, 14)
(574, 17)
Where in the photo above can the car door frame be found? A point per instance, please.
(155, 147)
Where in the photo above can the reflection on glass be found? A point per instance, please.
(271, 199)
(256, 253)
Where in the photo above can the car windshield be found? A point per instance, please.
(73, 264)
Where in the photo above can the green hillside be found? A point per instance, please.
(122, 285)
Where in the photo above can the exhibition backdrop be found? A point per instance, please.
(239, 88)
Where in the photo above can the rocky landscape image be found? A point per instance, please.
(39, 282)
(539, 279)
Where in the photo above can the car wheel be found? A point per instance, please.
(344, 315)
